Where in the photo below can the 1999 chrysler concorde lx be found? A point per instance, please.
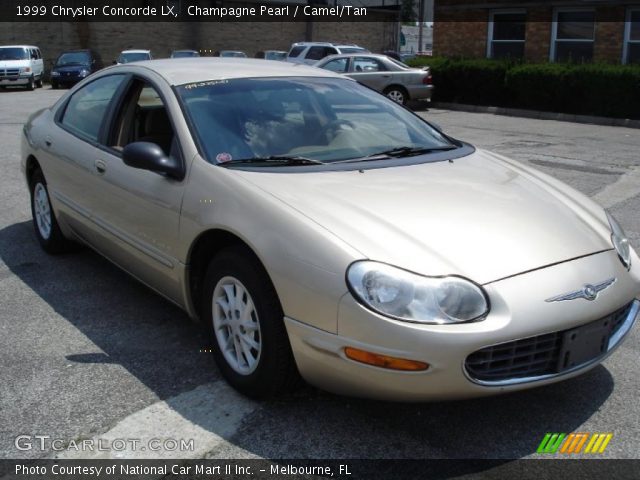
(318, 228)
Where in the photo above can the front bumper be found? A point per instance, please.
(19, 80)
(518, 311)
(66, 79)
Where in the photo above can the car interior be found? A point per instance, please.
(143, 118)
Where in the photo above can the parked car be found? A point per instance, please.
(384, 74)
(127, 56)
(272, 55)
(21, 65)
(230, 53)
(73, 66)
(317, 227)
(310, 52)
(184, 54)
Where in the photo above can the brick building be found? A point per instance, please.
(539, 31)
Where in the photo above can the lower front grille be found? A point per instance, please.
(9, 73)
(527, 357)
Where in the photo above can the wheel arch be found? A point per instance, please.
(31, 166)
(202, 250)
(397, 86)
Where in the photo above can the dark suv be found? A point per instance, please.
(73, 66)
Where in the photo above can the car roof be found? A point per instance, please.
(18, 46)
(358, 54)
(180, 71)
(326, 44)
(136, 51)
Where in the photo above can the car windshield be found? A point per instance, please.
(233, 54)
(73, 58)
(306, 119)
(13, 53)
(133, 57)
(275, 55)
(399, 63)
(185, 54)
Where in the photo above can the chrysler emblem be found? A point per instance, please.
(588, 292)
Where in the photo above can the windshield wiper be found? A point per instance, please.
(399, 152)
(276, 160)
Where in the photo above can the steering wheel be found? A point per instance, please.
(330, 130)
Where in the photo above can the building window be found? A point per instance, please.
(632, 37)
(572, 36)
(506, 34)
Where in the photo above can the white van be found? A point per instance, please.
(21, 65)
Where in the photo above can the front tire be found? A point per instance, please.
(31, 86)
(48, 232)
(250, 343)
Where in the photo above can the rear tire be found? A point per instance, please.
(48, 232)
(397, 94)
(242, 311)
(39, 83)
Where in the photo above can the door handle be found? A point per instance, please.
(101, 167)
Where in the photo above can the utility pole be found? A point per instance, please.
(420, 24)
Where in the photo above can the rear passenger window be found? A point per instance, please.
(295, 51)
(87, 107)
(318, 53)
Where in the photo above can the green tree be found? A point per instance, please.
(408, 11)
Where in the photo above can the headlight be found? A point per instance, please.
(25, 69)
(407, 296)
(55, 74)
(84, 72)
(620, 241)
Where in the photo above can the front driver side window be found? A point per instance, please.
(85, 111)
(143, 118)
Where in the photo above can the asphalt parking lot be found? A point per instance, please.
(87, 352)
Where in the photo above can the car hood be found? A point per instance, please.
(483, 216)
(14, 63)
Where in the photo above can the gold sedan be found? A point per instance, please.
(318, 228)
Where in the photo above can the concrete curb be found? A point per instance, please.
(518, 112)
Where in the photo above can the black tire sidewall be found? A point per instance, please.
(56, 243)
(268, 377)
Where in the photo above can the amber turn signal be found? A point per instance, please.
(384, 361)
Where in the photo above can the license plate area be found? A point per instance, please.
(583, 344)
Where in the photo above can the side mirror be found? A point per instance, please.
(149, 156)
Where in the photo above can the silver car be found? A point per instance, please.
(396, 80)
(317, 228)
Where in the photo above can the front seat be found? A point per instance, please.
(157, 129)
